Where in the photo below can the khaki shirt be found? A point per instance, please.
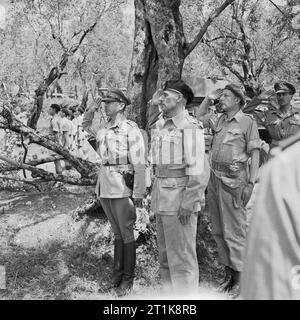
(52, 127)
(281, 126)
(177, 151)
(234, 138)
(122, 144)
(272, 255)
(209, 121)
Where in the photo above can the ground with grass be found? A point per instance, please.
(50, 255)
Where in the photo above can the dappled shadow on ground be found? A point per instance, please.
(81, 267)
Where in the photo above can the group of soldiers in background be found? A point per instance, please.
(65, 127)
(227, 166)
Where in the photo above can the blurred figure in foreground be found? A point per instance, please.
(272, 257)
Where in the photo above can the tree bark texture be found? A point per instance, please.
(158, 52)
(159, 49)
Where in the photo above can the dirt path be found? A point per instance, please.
(47, 255)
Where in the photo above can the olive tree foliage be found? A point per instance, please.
(48, 41)
(255, 43)
(161, 46)
(38, 33)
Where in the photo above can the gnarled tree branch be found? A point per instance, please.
(191, 46)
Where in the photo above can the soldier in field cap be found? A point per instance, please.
(283, 122)
(236, 141)
(178, 156)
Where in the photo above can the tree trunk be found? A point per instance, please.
(158, 52)
(54, 74)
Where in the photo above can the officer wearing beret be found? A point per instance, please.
(283, 122)
(236, 141)
(122, 152)
(177, 152)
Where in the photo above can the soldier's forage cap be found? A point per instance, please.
(236, 89)
(283, 86)
(55, 106)
(116, 95)
(181, 87)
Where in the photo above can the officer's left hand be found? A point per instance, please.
(184, 216)
(138, 202)
(247, 192)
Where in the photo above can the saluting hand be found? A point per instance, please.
(215, 95)
(184, 216)
(157, 94)
(94, 106)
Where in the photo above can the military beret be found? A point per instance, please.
(116, 95)
(283, 86)
(55, 106)
(180, 86)
(236, 90)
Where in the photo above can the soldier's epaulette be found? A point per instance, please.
(131, 123)
(195, 121)
(250, 115)
(283, 145)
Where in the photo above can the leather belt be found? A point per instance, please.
(169, 173)
(225, 167)
(115, 164)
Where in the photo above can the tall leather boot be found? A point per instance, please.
(118, 265)
(126, 284)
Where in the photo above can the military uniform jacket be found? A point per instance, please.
(272, 257)
(281, 126)
(234, 139)
(121, 149)
(177, 152)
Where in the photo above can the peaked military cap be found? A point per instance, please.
(284, 86)
(236, 89)
(181, 87)
(116, 95)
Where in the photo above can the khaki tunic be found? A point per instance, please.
(122, 144)
(281, 126)
(177, 150)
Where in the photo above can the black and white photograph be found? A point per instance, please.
(149, 152)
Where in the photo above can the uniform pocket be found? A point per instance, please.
(233, 135)
(170, 193)
(235, 188)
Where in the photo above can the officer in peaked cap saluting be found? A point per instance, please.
(121, 181)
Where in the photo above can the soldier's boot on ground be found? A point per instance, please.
(126, 284)
(118, 266)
